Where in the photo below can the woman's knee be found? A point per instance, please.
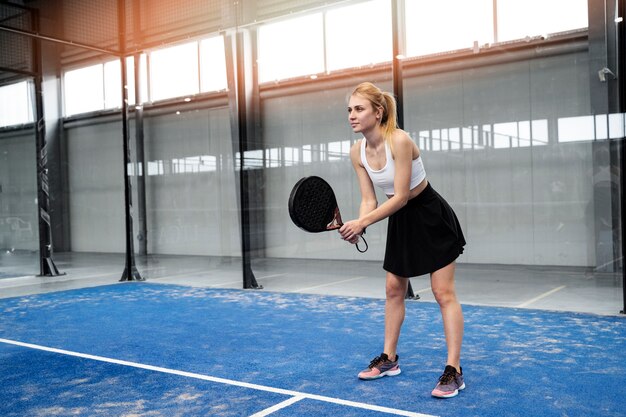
(396, 287)
(444, 295)
(442, 284)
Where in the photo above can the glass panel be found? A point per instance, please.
(511, 140)
(191, 200)
(447, 25)
(517, 20)
(212, 65)
(291, 48)
(143, 78)
(348, 45)
(15, 104)
(113, 83)
(19, 221)
(528, 182)
(174, 71)
(83, 90)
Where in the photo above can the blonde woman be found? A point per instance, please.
(423, 235)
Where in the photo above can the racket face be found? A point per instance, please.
(313, 206)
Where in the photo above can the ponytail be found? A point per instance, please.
(389, 121)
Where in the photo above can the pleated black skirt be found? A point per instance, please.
(423, 236)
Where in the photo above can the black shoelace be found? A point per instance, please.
(446, 378)
(376, 361)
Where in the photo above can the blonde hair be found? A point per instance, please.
(385, 101)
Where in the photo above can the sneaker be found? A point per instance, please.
(379, 367)
(450, 383)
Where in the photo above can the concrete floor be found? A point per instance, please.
(547, 288)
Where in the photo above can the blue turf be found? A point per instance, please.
(38, 383)
(517, 362)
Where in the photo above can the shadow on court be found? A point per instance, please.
(161, 350)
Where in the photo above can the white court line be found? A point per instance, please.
(239, 281)
(277, 407)
(328, 284)
(423, 290)
(539, 297)
(272, 276)
(299, 395)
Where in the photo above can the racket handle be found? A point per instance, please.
(357, 245)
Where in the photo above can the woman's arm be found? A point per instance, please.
(403, 156)
(368, 194)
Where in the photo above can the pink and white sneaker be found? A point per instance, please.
(379, 367)
(449, 384)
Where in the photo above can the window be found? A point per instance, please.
(16, 105)
(212, 65)
(174, 71)
(299, 46)
(447, 25)
(113, 84)
(359, 35)
(291, 48)
(518, 19)
(84, 90)
(574, 129)
(97, 87)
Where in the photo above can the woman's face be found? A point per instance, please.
(362, 115)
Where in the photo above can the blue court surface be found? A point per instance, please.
(142, 349)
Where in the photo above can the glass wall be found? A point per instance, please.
(19, 222)
(505, 103)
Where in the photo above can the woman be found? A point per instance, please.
(423, 234)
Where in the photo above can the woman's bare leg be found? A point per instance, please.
(395, 289)
(442, 283)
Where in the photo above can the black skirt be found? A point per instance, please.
(423, 236)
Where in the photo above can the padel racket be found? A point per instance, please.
(313, 207)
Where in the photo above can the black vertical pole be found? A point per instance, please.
(130, 269)
(249, 280)
(620, 40)
(46, 264)
(238, 103)
(397, 25)
(622, 169)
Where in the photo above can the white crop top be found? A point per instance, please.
(383, 177)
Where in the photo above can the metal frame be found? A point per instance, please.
(240, 101)
(47, 266)
(131, 273)
(620, 39)
(240, 98)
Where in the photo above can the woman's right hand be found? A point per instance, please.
(351, 231)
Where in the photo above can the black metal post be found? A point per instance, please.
(249, 280)
(130, 269)
(620, 40)
(238, 104)
(46, 263)
(622, 169)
